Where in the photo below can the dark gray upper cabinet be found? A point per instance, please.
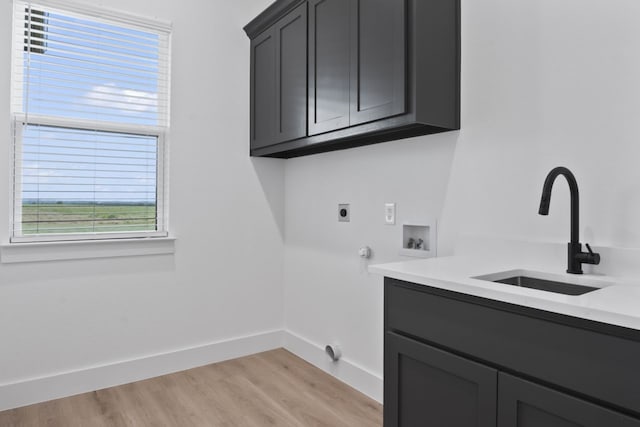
(378, 60)
(357, 62)
(328, 65)
(377, 70)
(279, 81)
(291, 75)
(263, 90)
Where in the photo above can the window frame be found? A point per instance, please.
(20, 119)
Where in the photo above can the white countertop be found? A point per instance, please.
(616, 303)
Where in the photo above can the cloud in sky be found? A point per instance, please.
(128, 101)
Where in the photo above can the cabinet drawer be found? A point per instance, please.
(589, 363)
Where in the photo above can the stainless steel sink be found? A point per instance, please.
(547, 285)
(546, 282)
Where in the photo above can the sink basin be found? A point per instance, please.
(546, 282)
(547, 285)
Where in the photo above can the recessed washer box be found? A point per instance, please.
(419, 240)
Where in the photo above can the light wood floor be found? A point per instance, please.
(274, 388)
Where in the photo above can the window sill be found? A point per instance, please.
(74, 250)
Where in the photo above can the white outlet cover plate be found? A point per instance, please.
(390, 213)
(347, 216)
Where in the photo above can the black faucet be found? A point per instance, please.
(575, 255)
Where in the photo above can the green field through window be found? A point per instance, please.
(64, 217)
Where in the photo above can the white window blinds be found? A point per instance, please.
(90, 104)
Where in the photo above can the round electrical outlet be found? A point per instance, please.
(343, 213)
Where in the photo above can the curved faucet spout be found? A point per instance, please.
(575, 198)
(574, 250)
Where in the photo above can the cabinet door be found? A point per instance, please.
(378, 59)
(291, 75)
(425, 386)
(263, 89)
(328, 65)
(525, 404)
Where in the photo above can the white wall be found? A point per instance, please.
(544, 83)
(548, 83)
(225, 279)
(329, 296)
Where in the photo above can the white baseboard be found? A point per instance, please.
(66, 384)
(36, 390)
(348, 372)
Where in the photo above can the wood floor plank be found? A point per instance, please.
(338, 396)
(286, 392)
(274, 388)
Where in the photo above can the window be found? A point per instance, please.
(90, 113)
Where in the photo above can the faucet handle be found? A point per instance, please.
(591, 257)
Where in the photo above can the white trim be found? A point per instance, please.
(166, 71)
(161, 181)
(17, 63)
(346, 371)
(88, 249)
(97, 125)
(16, 187)
(98, 235)
(160, 130)
(101, 13)
(162, 204)
(64, 384)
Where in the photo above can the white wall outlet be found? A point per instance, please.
(344, 212)
(390, 213)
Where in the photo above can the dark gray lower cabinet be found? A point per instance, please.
(455, 360)
(425, 386)
(525, 404)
